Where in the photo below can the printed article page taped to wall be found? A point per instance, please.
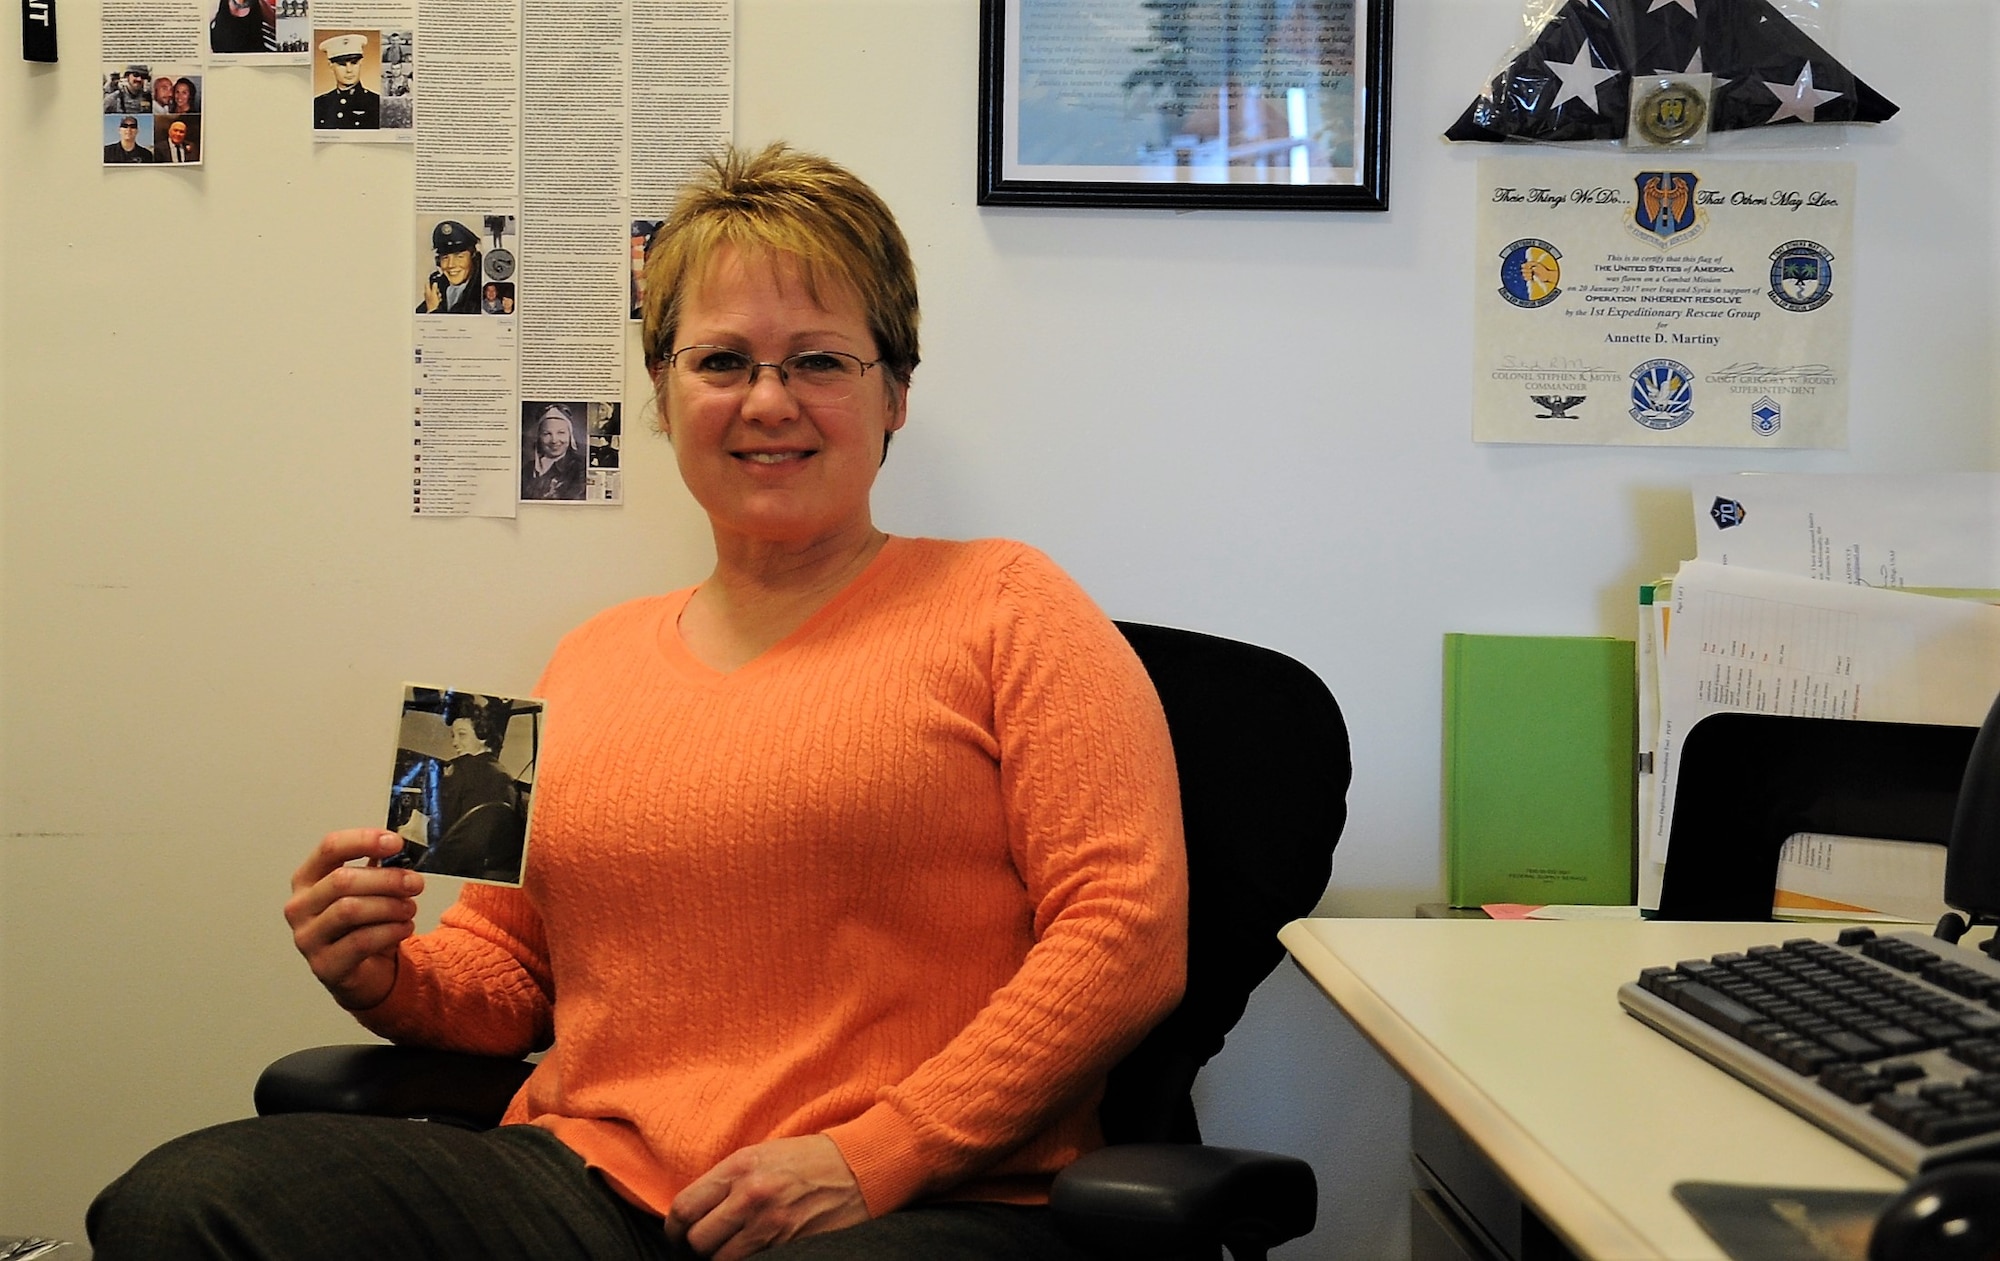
(468, 272)
(1671, 300)
(573, 228)
(683, 94)
(549, 136)
(364, 71)
(152, 57)
(154, 30)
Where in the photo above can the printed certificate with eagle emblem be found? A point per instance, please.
(1672, 299)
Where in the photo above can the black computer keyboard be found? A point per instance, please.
(1891, 1043)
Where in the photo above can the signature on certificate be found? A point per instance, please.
(1560, 363)
(1748, 372)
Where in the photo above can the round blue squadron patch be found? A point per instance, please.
(1530, 273)
(1662, 394)
(1801, 275)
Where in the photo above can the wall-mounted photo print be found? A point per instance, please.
(553, 436)
(178, 139)
(275, 32)
(606, 433)
(152, 114)
(464, 782)
(351, 75)
(130, 90)
(642, 241)
(128, 138)
(470, 267)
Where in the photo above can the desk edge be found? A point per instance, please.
(1586, 1223)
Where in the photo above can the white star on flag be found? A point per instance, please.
(1685, 4)
(1799, 100)
(1578, 77)
(1693, 67)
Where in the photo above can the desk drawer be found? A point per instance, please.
(1466, 1186)
(1438, 1233)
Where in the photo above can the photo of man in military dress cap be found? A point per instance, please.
(453, 289)
(349, 106)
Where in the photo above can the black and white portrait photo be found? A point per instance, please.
(553, 438)
(463, 783)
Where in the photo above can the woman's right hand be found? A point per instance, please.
(348, 920)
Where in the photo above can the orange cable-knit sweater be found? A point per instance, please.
(913, 878)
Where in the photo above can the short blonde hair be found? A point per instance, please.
(781, 203)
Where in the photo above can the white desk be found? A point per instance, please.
(1514, 1030)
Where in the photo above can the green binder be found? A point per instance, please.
(1540, 751)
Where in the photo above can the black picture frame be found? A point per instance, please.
(1188, 63)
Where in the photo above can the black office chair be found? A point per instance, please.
(1263, 759)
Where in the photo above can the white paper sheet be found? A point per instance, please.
(557, 134)
(1936, 531)
(376, 104)
(466, 414)
(1848, 877)
(1757, 642)
(165, 42)
(1670, 300)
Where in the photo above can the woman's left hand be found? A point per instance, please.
(765, 1194)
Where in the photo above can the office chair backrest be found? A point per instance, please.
(1972, 871)
(1263, 759)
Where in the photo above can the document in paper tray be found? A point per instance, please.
(1859, 878)
(1936, 532)
(1750, 641)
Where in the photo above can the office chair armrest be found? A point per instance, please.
(1169, 1198)
(393, 1081)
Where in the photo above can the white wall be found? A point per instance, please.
(1252, 424)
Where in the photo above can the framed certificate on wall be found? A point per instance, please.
(1185, 104)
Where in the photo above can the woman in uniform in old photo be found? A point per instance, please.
(477, 827)
(552, 467)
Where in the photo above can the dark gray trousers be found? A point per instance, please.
(314, 1187)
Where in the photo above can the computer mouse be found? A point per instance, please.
(1951, 1213)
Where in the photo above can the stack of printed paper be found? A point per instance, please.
(1805, 601)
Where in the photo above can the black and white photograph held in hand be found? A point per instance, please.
(464, 782)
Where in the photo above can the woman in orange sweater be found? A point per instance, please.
(855, 867)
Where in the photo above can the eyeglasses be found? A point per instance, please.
(813, 376)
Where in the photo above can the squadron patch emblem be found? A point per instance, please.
(1662, 394)
(1665, 210)
(1801, 275)
(1530, 273)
